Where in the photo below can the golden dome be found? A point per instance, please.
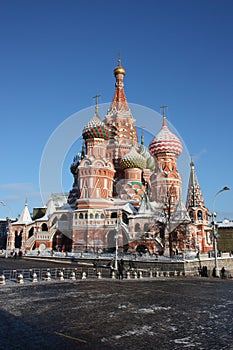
(119, 69)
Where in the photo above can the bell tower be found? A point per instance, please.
(166, 184)
(121, 124)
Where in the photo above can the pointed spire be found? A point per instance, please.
(179, 216)
(142, 136)
(119, 103)
(25, 217)
(194, 194)
(145, 207)
(83, 150)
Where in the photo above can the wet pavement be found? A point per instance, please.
(159, 313)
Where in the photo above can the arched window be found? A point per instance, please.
(125, 218)
(81, 216)
(137, 228)
(102, 216)
(114, 215)
(91, 216)
(191, 215)
(146, 228)
(199, 215)
(86, 216)
(44, 227)
(96, 216)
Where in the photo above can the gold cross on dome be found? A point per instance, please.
(96, 97)
(163, 110)
(119, 59)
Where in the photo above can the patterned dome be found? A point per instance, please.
(95, 129)
(133, 160)
(165, 141)
(150, 162)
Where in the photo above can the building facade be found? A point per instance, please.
(123, 193)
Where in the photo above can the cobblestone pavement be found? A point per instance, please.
(158, 313)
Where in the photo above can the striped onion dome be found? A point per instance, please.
(95, 128)
(133, 160)
(150, 161)
(165, 141)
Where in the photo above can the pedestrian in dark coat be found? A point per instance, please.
(121, 269)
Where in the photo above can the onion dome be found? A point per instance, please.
(165, 141)
(133, 160)
(150, 162)
(119, 69)
(95, 128)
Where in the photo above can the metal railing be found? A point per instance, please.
(78, 273)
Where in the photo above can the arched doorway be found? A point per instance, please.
(122, 241)
(141, 249)
(18, 239)
(111, 241)
(61, 242)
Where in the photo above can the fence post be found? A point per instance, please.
(47, 276)
(20, 279)
(34, 277)
(60, 276)
(72, 275)
(2, 279)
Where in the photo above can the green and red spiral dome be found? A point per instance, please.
(95, 128)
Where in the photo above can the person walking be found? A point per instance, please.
(121, 269)
(223, 272)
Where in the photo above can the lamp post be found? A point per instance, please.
(116, 237)
(214, 230)
(8, 219)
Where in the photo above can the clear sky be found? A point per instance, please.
(57, 54)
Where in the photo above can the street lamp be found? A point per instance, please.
(116, 237)
(214, 230)
(8, 222)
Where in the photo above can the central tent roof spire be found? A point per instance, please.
(119, 103)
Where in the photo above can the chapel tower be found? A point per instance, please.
(166, 182)
(198, 212)
(95, 171)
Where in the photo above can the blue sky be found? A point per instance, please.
(56, 55)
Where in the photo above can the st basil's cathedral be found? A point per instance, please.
(123, 193)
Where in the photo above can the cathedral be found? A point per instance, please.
(124, 194)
